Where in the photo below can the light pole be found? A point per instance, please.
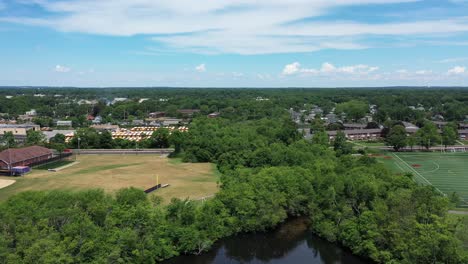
(9, 157)
(79, 139)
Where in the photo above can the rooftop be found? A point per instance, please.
(11, 156)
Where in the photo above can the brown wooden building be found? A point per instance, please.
(24, 156)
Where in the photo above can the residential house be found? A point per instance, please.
(64, 123)
(157, 114)
(19, 131)
(188, 112)
(214, 115)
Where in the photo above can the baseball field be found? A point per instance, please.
(113, 172)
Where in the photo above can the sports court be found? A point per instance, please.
(446, 171)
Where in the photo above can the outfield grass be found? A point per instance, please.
(113, 172)
(447, 172)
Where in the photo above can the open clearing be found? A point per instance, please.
(113, 172)
(447, 172)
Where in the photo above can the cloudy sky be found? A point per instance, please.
(234, 43)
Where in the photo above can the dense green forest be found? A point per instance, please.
(238, 104)
(269, 173)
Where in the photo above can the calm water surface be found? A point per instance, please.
(290, 243)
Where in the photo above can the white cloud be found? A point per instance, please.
(61, 68)
(457, 70)
(328, 68)
(292, 68)
(452, 60)
(423, 72)
(237, 74)
(201, 68)
(225, 26)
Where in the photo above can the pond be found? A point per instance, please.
(292, 242)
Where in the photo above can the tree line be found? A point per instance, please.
(269, 173)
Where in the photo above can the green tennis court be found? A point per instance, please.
(447, 172)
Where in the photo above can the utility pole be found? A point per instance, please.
(79, 139)
(9, 157)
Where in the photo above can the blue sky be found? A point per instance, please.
(234, 43)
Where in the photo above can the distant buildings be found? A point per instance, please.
(353, 126)
(138, 122)
(358, 134)
(64, 123)
(171, 121)
(214, 115)
(157, 114)
(106, 127)
(118, 100)
(188, 112)
(87, 102)
(141, 133)
(97, 120)
(67, 133)
(31, 112)
(18, 131)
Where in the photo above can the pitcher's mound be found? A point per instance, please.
(5, 183)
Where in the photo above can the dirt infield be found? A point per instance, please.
(5, 183)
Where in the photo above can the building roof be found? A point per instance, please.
(18, 126)
(354, 125)
(53, 133)
(11, 156)
(356, 131)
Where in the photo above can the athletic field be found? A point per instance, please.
(447, 172)
(114, 171)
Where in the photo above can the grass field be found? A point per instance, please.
(447, 172)
(113, 172)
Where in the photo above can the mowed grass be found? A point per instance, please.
(113, 172)
(447, 172)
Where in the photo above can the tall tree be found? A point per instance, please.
(340, 144)
(320, 138)
(449, 136)
(397, 137)
(8, 139)
(160, 138)
(35, 138)
(428, 135)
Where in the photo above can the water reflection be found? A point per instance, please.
(290, 243)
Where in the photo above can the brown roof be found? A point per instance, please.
(21, 154)
(188, 111)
